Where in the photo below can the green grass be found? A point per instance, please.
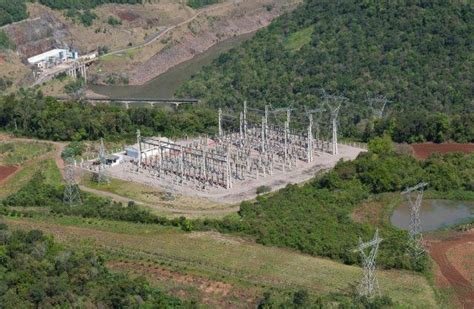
(12, 153)
(230, 258)
(17, 181)
(299, 39)
(150, 195)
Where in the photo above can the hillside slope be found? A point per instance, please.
(418, 55)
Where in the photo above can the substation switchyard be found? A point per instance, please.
(230, 166)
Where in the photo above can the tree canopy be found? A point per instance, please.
(416, 53)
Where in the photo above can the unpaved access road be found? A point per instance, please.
(460, 284)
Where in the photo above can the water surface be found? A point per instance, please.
(435, 214)
(165, 85)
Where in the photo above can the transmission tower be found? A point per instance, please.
(334, 104)
(369, 284)
(102, 178)
(416, 237)
(72, 195)
(377, 105)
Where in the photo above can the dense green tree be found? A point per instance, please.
(30, 113)
(37, 272)
(416, 53)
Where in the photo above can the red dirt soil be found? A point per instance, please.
(438, 250)
(424, 150)
(6, 171)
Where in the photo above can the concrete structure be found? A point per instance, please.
(52, 58)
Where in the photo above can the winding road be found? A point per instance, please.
(462, 287)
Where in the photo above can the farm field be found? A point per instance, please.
(19, 159)
(235, 261)
(424, 150)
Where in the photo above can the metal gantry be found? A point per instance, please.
(369, 285)
(416, 237)
(258, 148)
(334, 103)
(72, 195)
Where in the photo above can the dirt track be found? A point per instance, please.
(6, 172)
(438, 250)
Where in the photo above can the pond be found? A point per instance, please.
(165, 85)
(435, 214)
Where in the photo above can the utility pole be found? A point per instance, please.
(102, 178)
(139, 142)
(369, 284)
(416, 237)
(72, 195)
(309, 155)
(245, 119)
(241, 128)
(220, 122)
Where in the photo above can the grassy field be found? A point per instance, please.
(151, 195)
(299, 39)
(12, 153)
(32, 157)
(230, 260)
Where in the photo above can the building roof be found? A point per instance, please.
(46, 55)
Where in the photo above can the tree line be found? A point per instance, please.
(416, 53)
(29, 113)
(37, 272)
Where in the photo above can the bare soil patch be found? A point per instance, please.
(7, 171)
(458, 277)
(424, 150)
(127, 15)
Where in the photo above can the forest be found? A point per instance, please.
(196, 4)
(415, 53)
(29, 113)
(12, 11)
(37, 272)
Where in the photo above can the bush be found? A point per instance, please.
(263, 189)
(114, 21)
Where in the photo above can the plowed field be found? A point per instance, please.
(424, 150)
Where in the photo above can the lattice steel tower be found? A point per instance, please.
(102, 178)
(334, 104)
(416, 236)
(377, 104)
(369, 284)
(72, 195)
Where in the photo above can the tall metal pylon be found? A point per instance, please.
(72, 195)
(416, 237)
(377, 105)
(220, 122)
(139, 142)
(102, 178)
(334, 104)
(245, 119)
(369, 285)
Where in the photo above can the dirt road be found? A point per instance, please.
(171, 210)
(463, 289)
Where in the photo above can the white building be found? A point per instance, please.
(52, 57)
